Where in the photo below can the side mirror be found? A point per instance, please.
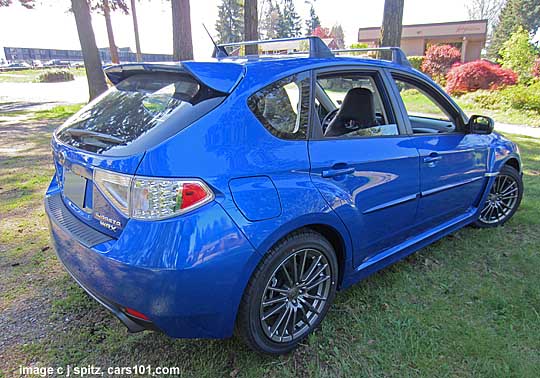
(481, 124)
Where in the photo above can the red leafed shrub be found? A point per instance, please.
(479, 74)
(438, 61)
(536, 68)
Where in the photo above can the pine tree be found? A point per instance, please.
(271, 23)
(313, 21)
(338, 35)
(282, 26)
(516, 13)
(230, 22)
(291, 19)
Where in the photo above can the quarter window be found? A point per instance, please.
(283, 107)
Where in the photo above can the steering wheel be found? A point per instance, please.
(329, 117)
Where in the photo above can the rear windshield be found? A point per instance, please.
(133, 107)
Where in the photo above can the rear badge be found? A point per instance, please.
(108, 223)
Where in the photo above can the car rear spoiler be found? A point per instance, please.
(220, 76)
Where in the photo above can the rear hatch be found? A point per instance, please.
(148, 104)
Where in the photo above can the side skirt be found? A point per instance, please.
(409, 246)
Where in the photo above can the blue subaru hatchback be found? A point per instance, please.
(240, 193)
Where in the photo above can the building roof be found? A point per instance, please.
(467, 28)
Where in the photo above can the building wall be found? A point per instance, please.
(474, 50)
(416, 37)
(29, 54)
(413, 46)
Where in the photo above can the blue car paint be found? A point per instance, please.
(220, 76)
(188, 273)
(247, 190)
(378, 199)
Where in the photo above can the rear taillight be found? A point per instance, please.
(152, 198)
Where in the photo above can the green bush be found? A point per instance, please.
(519, 97)
(416, 61)
(522, 97)
(55, 76)
(519, 54)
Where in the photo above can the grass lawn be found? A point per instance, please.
(467, 306)
(30, 76)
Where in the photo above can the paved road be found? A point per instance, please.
(71, 92)
(518, 129)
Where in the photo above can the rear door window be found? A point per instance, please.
(133, 107)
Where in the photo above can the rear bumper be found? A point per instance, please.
(133, 325)
(187, 275)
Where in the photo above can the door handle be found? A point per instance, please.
(432, 158)
(337, 172)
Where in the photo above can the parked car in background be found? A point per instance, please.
(77, 64)
(56, 63)
(200, 198)
(19, 65)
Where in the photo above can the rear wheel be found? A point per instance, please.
(503, 199)
(289, 294)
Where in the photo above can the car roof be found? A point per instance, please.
(223, 74)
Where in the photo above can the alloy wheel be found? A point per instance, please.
(295, 295)
(502, 199)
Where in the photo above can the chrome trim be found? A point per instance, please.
(491, 174)
(392, 203)
(450, 186)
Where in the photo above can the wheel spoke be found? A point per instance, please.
(295, 269)
(508, 192)
(317, 297)
(315, 275)
(303, 315)
(309, 306)
(279, 321)
(274, 301)
(284, 268)
(501, 184)
(292, 323)
(278, 290)
(486, 208)
(303, 264)
(287, 321)
(274, 311)
(312, 268)
(318, 282)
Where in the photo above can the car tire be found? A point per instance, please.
(289, 293)
(503, 199)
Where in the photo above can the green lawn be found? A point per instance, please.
(30, 76)
(467, 306)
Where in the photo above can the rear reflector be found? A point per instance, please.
(136, 314)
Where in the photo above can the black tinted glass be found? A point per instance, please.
(125, 112)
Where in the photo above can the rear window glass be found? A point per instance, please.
(130, 109)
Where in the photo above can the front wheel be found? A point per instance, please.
(503, 199)
(289, 294)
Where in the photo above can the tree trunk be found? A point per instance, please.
(92, 60)
(251, 24)
(136, 31)
(112, 46)
(181, 19)
(392, 25)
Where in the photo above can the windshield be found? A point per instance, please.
(130, 109)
